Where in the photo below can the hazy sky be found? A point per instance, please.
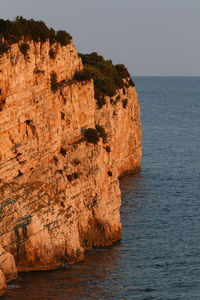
(151, 37)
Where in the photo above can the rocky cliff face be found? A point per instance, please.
(59, 194)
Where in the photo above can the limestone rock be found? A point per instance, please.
(7, 265)
(59, 195)
(3, 287)
(8, 269)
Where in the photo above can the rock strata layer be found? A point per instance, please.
(59, 194)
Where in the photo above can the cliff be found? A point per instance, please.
(59, 193)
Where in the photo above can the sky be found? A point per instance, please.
(151, 37)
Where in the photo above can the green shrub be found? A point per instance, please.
(131, 82)
(52, 54)
(63, 37)
(122, 71)
(24, 49)
(14, 31)
(72, 176)
(75, 175)
(102, 132)
(91, 135)
(38, 71)
(124, 102)
(54, 83)
(82, 75)
(100, 99)
(107, 77)
(107, 148)
(4, 48)
(63, 151)
(109, 173)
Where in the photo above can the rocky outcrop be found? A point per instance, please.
(8, 270)
(3, 287)
(59, 194)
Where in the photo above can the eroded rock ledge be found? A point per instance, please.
(59, 194)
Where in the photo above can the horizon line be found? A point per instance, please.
(135, 75)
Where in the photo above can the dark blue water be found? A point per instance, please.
(159, 255)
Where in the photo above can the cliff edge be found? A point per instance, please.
(61, 156)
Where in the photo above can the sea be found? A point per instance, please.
(158, 257)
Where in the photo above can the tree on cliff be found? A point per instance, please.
(21, 28)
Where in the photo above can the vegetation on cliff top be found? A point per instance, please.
(107, 77)
(13, 31)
